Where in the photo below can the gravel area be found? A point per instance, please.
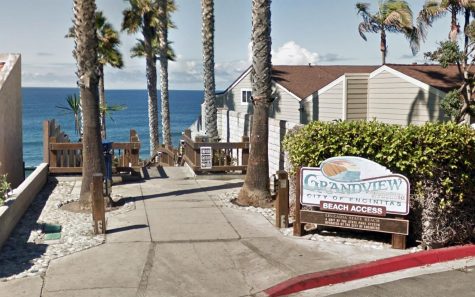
(27, 253)
(336, 235)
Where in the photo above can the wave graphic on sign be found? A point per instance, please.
(351, 169)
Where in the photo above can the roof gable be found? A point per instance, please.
(303, 81)
(442, 79)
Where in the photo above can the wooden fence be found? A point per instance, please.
(225, 156)
(64, 156)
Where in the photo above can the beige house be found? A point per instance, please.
(11, 146)
(399, 94)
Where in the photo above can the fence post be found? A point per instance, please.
(46, 134)
(282, 201)
(398, 241)
(98, 209)
(188, 132)
(245, 153)
(53, 162)
(298, 226)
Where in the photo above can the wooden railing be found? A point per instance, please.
(226, 156)
(64, 156)
(167, 155)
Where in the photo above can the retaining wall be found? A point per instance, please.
(23, 195)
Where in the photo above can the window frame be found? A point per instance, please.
(248, 100)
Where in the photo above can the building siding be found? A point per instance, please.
(395, 101)
(285, 106)
(330, 104)
(232, 98)
(357, 97)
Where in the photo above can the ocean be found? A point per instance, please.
(40, 104)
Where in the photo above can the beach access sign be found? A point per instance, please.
(354, 185)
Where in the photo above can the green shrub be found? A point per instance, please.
(437, 158)
(4, 188)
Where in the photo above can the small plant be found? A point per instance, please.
(74, 107)
(4, 188)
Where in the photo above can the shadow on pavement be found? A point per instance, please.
(194, 190)
(17, 253)
(121, 229)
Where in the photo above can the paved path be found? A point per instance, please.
(179, 242)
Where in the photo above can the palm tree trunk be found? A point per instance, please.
(465, 29)
(163, 52)
(211, 122)
(102, 101)
(86, 55)
(255, 190)
(383, 46)
(454, 28)
(151, 72)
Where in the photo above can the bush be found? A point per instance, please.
(4, 188)
(437, 158)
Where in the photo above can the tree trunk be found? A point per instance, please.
(255, 190)
(163, 52)
(465, 28)
(383, 46)
(207, 31)
(86, 56)
(151, 72)
(102, 101)
(454, 28)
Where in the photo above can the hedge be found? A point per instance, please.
(437, 158)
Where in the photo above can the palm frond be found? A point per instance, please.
(431, 11)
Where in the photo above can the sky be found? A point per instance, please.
(303, 31)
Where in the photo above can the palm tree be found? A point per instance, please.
(108, 54)
(163, 13)
(255, 190)
(143, 15)
(85, 53)
(392, 16)
(207, 32)
(434, 9)
(74, 107)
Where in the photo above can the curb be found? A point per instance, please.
(359, 271)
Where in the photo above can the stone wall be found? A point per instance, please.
(11, 145)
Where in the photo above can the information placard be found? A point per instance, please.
(206, 157)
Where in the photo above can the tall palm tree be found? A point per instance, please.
(207, 33)
(434, 9)
(163, 23)
(255, 190)
(142, 15)
(108, 54)
(85, 53)
(392, 16)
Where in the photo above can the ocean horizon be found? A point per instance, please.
(41, 103)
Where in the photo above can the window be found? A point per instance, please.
(246, 96)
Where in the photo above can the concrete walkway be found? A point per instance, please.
(179, 242)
